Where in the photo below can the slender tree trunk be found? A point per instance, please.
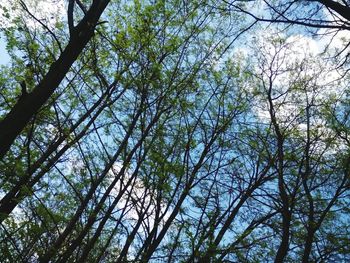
(305, 176)
(284, 245)
(308, 245)
(282, 188)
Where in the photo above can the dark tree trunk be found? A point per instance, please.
(25, 108)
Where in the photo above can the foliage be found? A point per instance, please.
(174, 131)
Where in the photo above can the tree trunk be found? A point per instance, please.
(25, 108)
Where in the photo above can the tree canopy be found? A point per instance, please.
(175, 131)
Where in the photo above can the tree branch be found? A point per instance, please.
(342, 10)
(70, 16)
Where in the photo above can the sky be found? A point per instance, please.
(4, 57)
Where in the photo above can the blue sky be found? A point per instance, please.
(4, 57)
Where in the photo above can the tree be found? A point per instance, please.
(311, 180)
(30, 102)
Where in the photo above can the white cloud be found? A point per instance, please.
(139, 194)
(301, 76)
(47, 11)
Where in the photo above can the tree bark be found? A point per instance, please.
(342, 10)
